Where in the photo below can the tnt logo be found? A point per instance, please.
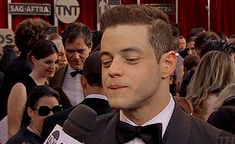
(226, 140)
(67, 11)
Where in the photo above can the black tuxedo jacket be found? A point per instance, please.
(224, 118)
(100, 106)
(182, 129)
(56, 83)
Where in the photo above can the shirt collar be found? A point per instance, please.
(99, 96)
(70, 69)
(163, 117)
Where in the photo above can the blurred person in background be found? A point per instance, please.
(44, 56)
(231, 39)
(77, 40)
(182, 43)
(214, 72)
(223, 36)
(1, 52)
(190, 64)
(196, 31)
(10, 53)
(190, 45)
(27, 33)
(57, 40)
(220, 45)
(223, 116)
(202, 39)
(93, 91)
(43, 101)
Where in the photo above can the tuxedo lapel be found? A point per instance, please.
(104, 132)
(110, 130)
(179, 128)
(57, 82)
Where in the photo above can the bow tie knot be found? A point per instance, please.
(74, 73)
(150, 134)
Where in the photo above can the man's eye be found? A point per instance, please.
(69, 51)
(106, 63)
(57, 61)
(61, 54)
(48, 62)
(132, 60)
(80, 51)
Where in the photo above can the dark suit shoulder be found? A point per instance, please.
(104, 132)
(186, 129)
(223, 118)
(106, 120)
(203, 130)
(107, 117)
(205, 133)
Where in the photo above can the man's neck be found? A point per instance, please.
(93, 90)
(149, 110)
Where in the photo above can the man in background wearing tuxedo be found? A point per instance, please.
(138, 58)
(93, 92)
(77, 40)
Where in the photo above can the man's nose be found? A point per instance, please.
(115, 69)
(77, 54)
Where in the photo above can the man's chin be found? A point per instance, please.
(120, 105)
(77, 67)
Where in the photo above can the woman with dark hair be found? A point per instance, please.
(43, 101)
(27, 32)
(44, 56)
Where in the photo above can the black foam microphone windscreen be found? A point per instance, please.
(80, 123)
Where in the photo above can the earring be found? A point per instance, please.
(162, 78)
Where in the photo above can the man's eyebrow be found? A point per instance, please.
(131, 49)
(104, 53)
(125, 50)
(75, 49)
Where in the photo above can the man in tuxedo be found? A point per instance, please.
(93, 92)
(77, 40)
(138, 58)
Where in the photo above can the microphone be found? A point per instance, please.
(76, 129)
(80, 123)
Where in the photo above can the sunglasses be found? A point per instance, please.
(45, 110)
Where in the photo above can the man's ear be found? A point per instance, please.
(90, 48)
(33, 59)
(83, 82)
(168, 63)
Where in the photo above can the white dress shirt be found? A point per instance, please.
(163, 117)
(98, 96)
(72, 87)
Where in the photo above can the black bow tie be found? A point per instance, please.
(150, 134)
(74, 73)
